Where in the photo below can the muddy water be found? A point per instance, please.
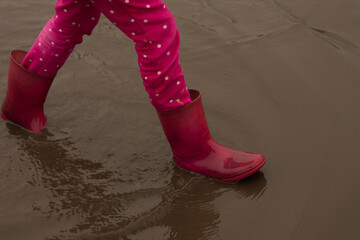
(279, 77)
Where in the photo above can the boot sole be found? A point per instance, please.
(231, 179)
(243, 175)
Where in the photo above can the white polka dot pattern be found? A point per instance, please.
(155, 36)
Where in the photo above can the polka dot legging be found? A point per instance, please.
(149, 23)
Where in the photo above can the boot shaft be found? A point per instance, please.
(23, 85)
(25, 95)
(186, 128)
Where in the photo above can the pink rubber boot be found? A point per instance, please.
(196, 151)
(25, 96)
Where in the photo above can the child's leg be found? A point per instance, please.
(58, 38)
(151, 25)
(28, 87)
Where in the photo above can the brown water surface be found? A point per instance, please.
(279, 77)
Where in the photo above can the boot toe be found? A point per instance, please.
(242, 166)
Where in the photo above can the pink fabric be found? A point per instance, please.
(149, 23)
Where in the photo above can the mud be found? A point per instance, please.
(278, 77)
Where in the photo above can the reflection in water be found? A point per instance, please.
(82, 190)
(79, 187)
(191, 212)
(252, 187)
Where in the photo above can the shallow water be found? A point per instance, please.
(279, 77)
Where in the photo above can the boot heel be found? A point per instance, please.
(4, 117)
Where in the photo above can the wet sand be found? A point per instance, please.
(278, 77)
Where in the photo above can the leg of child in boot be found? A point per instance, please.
(152, 27)
(30, 76)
